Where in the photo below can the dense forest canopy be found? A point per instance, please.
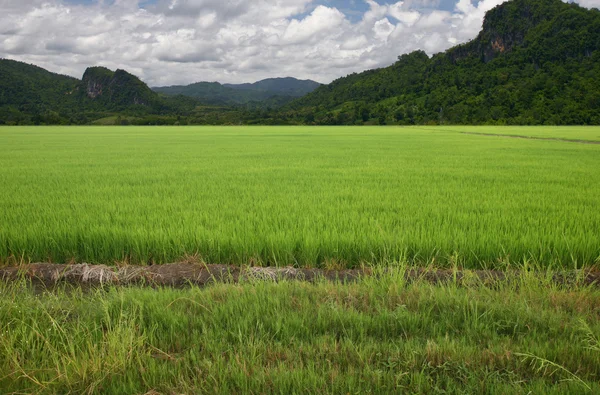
(534, 62)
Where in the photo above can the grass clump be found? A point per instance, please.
(380, 334)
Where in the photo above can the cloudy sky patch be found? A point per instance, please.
(168, 42)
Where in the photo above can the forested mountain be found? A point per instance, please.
(116, 90)
(273, 91)
(28, 89)
(206, 92)
(534, 62)
(32, 95)
(279, 86)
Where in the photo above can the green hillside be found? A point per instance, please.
(272, 92)
(534, 62)
(281, 86)
(30, 91)
(32, 95)
(117, 90)
(212, 93)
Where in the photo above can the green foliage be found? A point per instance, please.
(272, 93)
(116, 91)
(27, 94)
(535, 62)
(31, 95)
(279, 86)
(211, 93)
(382, 336)
(299, 195)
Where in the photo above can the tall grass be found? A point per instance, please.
(377, 335)
(296, 196)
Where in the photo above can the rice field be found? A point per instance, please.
(302, 196)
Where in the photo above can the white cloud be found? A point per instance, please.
(406, 17)
(590, 3)
(382, 29)
(183, 41)
(357, 42)
(322, 20)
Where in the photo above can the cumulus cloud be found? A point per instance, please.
(184, 41)
(589, 3)
(322, 21)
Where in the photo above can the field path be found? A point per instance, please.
(532, 137)
(186, 274)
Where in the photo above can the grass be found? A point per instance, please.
(298, 196)
(377, 335)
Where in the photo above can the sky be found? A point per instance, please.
(167, 42)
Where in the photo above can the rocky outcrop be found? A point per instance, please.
(93, 89)
(505, 27)
(117, 89)
(95, 80)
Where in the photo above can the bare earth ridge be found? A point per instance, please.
(185, 274)
(517, 136)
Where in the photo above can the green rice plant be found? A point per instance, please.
(380, 334)
(78, 357)
(592, 339)
(549, 368)
(300, 196)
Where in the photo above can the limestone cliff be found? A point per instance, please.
(117, 89)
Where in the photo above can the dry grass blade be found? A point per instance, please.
(544, 364)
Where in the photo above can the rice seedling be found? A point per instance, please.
(300, 196)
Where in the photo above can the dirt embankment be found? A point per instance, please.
(516, 136)
(185, 274)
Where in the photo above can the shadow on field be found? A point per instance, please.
(185, 274)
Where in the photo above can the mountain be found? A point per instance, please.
(26, 88)
(534, 62)
(279, 86)
(30, 94)
(209, 93)
(116, 90)
(272, 91)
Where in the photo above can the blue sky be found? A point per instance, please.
(353, 9)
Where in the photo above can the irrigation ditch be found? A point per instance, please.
(190, 274)
(517, 136)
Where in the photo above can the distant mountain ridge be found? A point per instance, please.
(287, 86)
(215, 93)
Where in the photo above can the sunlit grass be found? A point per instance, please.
(301, 196)
(379, 334)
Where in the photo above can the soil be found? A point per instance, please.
(186, 274)
(534, 138)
